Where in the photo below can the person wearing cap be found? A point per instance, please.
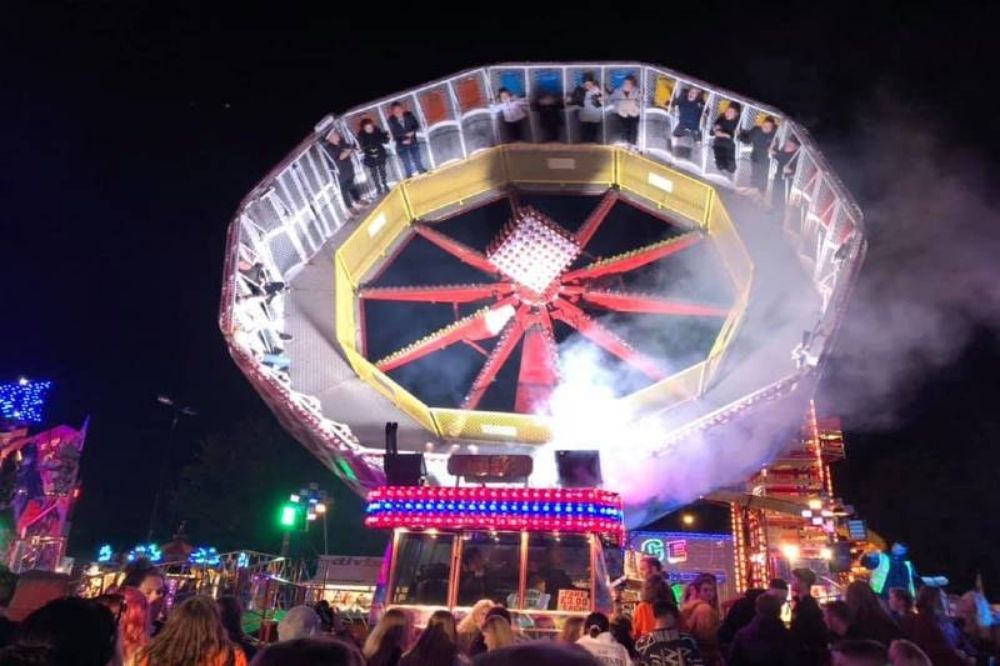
(808, 631)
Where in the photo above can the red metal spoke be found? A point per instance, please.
(459, 250)
(626, 302)
(509, 338)
(601, 336)
(538, 373)
(594, 220)
(458, 293)
(633, 259)
(477, 326)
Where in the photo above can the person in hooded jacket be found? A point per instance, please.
(373, 140)
(724, 133)
(765, 641)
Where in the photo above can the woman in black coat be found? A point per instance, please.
(373, 140)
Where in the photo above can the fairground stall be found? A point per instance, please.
(539, 552)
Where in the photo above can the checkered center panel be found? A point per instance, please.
(533, 250)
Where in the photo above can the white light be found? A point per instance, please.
(321, 508)
(826, 553)
(497, 319)
(790, 551)
(311, 516)
(806, 513)
(294, 498)
(22, 381)
(815, 504)
(497, 430)
(817, 521)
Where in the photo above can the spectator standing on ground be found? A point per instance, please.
(740, 615)
(665, 644)
(621, 629)
(231, 614)
(724, 133)
(469, 629)
(654, 589)
(700, 614)
(572, 630)
(310, 652)
(64, 632)
(404, 127)
(340, 155)
(905, 653)
(373, 140)
(649, 566)
(900, 605)
(497, 633)
(807, 631)
(542, 653)
(868, 619)
(388, 640)
(979, 631)
(931, 630)
(513, 114)
(590, 100)
(760, 138)
(765, 641)
(599, 642)
(837, 617)
(193, 635)
(626, 103)
(436, 644)
(299, 622)
(149, 580)
(134, 626)
(859, 653)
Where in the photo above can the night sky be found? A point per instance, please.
(130, 135)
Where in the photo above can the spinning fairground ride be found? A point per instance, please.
(638, 301)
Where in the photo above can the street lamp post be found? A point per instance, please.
(178, 412)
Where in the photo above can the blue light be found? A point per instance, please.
(208, 557)
(149, 551)
(242, 561)
(105, 553)
(22, 401)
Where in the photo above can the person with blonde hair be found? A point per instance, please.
(193, 635)
(497, 633)
(979, 631)
(700, 616)
(470, 627)
(904, 653)
(389, 639)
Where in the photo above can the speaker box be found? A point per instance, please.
(579, 469)
(404, 469)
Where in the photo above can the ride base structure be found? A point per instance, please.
(539, 552)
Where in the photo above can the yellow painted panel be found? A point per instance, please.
(491, 426)
(568, 165)
(675, 389)
(391, 390)
(454, 183)
(371, 240)
(665, 187)
(344, 316)
(663, 90)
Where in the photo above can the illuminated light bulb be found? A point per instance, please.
(826, 553)
(815, 504)
(790, 551)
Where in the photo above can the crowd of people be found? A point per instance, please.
(129, 626)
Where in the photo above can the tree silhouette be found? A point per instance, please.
(231, 494)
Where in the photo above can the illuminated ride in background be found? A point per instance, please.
(39, 472)
(535, 297)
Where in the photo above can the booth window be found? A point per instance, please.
(423, 566)
(490, 567)
(563, 563)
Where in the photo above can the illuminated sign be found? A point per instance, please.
(574, 601)
(674, 552)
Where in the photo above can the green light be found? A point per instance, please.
(346, 469)
(288, 516)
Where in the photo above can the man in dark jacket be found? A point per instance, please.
(808, 631)
(765, 641)
(760, 139)
(740, 615)
(403, 126)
